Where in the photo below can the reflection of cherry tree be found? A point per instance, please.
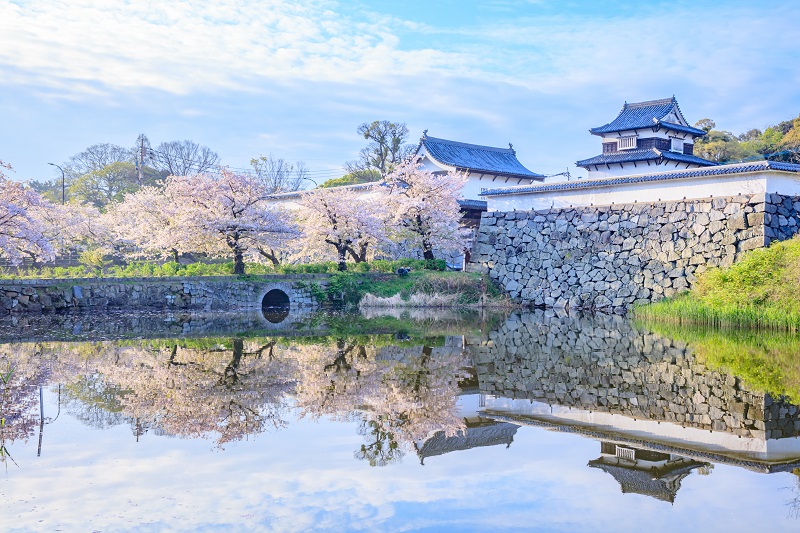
(235, 388)
(402, 394)
(231, 389)
(23, 371)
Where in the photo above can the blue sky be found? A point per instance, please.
(294, 79)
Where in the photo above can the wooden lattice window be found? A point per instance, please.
(609, 148)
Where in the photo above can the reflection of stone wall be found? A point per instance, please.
(610, 257)
(604, 364)
(34, 296)
(158, 324)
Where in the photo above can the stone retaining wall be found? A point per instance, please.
(611, 257)
(604, 364)
(213, 293)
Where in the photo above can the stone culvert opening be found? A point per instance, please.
(275, 306)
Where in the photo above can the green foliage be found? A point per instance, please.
(353, 178)
(780, 142)
(94, 259)
(105, 185)
(51, 190)
(760, 291)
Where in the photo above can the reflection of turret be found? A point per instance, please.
(645, 472)
(479, 432)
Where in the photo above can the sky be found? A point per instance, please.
(295, 79)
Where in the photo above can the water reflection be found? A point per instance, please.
(646, 472)
(232, 388)
(650, 410)
(604, 377)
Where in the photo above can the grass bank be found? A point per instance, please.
(760, 291)
(150, 269)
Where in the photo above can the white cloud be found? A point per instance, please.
(181, 47)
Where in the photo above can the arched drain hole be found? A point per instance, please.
(275, 306)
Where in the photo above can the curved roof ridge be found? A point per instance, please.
(639, 115)
(662, 101)
(467, 145)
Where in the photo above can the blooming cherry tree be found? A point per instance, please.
(425, 211)
(21, 233)
(147, 225)
(342, 219)
(72, 225)
(226, 214)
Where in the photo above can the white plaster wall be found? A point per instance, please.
(641, 167)
(644, 133)
(771, 181)
(476, 181)
(648, 430)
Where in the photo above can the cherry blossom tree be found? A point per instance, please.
(425, 210)
(21, 233)
(225, 214)
(146, 224)
(342, 219)
(69, 226)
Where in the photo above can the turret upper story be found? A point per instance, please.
(651, 134)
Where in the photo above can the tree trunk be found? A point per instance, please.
(361, 255)
(231, 374)
(238, 263)
(427, 254)
(271, 255)
(174, 255)
(342, 257)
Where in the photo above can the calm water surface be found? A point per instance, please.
(529, 422)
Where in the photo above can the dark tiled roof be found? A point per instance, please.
(472, 204)
(680, 128)
(645, 115)
(501, 161)
(642, 482)
(473, 437)
(717, 170)
(647, 154)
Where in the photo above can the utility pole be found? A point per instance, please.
(140, 166)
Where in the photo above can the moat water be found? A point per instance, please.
(412, 422)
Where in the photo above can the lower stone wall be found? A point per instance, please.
(611, 257)
(37, 296)
(603, 363)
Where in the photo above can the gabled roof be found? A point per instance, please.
(490, 434)
(647, 154)
(717, 170)
(475, 158)
(647, 115)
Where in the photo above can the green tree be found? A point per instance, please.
(353, 178)
(705, 124)
(105, 185)
(722, 147)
